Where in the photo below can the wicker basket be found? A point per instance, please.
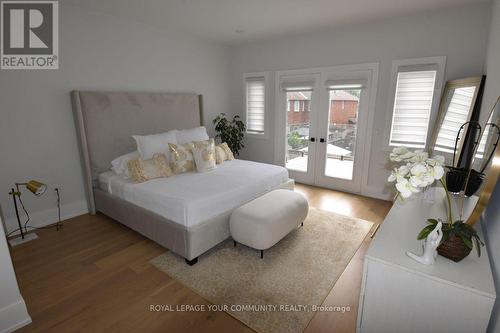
(453, 248)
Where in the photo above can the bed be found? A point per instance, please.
(187, 213)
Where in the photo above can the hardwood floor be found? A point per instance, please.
(94, 276)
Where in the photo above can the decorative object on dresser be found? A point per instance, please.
(415, 173)
(456, 177)
(35, 187)
(230, 132)
(430, 246)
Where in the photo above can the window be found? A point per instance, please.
(255, 103)
(412, 108)
(288, 106)
(416, 86)
(296, 106)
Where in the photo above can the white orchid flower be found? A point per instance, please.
(437, 172)
(422, 181)
(405, 188)
(400, 150)
(418, 172)
(436, 160)
(419, 156)
(418, 169)
(398, 173)
(400, 154)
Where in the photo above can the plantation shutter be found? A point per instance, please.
(458, 113)
(345, 84)
(255, 104)
(297, 86)
(412, 107)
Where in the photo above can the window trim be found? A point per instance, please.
(246, 77)
(409, 65)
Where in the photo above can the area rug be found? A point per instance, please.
(277, 293)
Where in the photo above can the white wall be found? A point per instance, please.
(13, 313)
(460, 34)
(491, 217)
(97, 51)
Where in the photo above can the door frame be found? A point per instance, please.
(372, 70)
(309, 176)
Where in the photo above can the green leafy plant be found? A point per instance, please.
(295, 141)
(464, 231)
(230, 132)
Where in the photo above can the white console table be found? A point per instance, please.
(401, 295)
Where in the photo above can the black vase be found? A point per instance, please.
(474, 183)
(455, 179)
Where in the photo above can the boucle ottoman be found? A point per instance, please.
(263, 222)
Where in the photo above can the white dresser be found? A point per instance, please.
(400, 295)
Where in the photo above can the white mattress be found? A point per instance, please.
(191, 198)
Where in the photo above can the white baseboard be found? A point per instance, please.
(14, 316)
(49, 216)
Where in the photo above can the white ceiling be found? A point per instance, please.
(236, 21)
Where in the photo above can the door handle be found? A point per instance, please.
(312, 139)
(322, 140)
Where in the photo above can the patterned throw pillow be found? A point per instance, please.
(143, 170)
(227, 150)
(220, 154)
(204, 155)
(181, 157)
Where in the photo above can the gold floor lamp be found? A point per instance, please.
(35, 187)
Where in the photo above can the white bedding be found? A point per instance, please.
(191, 198)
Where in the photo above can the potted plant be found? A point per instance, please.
(458, 239)
(414, 173)
(230, 132)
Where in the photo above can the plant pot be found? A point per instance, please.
(454, 249)
(475, 181)
(455, 179)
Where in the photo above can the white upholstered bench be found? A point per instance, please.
(263, 222)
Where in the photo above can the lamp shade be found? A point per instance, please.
(36, 187)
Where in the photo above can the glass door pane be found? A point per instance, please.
(298, 107)
(342, 131)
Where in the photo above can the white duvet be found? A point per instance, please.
(191, 198)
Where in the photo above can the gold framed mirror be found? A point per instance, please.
(457, 104)
(491, 167)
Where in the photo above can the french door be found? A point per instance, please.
(323, 118)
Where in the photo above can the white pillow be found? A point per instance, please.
(193, 134)
(148, 145)
(120, 164)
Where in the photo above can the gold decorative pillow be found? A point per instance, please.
(181, 157)
(143, 170)
(227, 150)
(204, 155)
(220, 154)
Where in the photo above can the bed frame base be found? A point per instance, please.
(186, 242)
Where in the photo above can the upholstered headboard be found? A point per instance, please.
(106, 121)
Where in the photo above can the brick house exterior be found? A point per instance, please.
(343, 108)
